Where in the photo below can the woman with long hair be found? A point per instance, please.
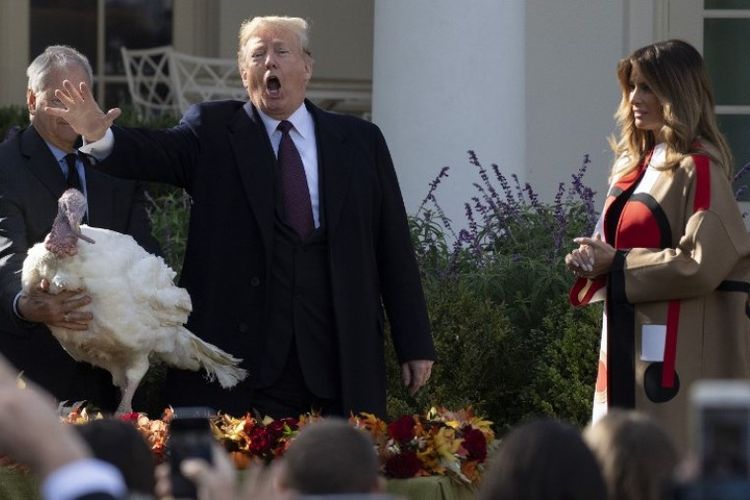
(670, 255)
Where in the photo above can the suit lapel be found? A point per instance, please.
(335, 160)
(254, 158)
(42, 162)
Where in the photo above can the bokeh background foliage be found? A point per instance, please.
(508, 343)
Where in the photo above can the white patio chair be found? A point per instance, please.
(149, 81)
(197, 79)
(164, 80)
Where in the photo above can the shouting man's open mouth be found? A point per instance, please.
(273, 86)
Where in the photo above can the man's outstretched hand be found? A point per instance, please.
(82, 112)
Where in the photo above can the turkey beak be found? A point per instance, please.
(82, 236)
(75, 226)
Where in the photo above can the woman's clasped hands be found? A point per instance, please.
(592, 258)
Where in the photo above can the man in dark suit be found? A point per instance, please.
(36, 165)
(298, 235)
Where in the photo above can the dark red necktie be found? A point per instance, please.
(294, 190)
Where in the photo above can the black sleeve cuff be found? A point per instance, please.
(617, 278)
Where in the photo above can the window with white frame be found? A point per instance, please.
(720, 30)
(726, 50)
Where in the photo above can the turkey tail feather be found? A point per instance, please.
(219, 365)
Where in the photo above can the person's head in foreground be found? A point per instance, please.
(331, 457)
(543, 460)
(120, 444)
(637, 457)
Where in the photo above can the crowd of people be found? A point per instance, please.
(299, 245)
(626, 455)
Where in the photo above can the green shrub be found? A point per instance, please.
(507, 343)
(12, 116)
(169, 214)
(565, 373)
(470, 332)
(524, 351)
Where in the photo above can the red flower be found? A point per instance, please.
(475, 444)
(260, 442)
(402, 430)
(250, 426)
(403, 465)
(275, 429)
(130, 417)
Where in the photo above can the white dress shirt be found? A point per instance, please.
(303, 136)
(60, 155)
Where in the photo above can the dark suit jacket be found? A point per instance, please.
(31, 181)
(222, 156)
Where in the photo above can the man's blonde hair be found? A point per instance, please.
(249, 27)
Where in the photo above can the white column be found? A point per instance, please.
(448, 77)
(14, 51)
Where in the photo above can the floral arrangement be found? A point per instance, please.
(249, 438)
(154, 431)
(440, 442)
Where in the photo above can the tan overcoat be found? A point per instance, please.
(677, 293)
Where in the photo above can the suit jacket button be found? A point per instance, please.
(243, 328)
(254, 281)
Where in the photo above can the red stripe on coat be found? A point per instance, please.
(702, 183)
(702, 201)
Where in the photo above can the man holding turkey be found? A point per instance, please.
(36, 166)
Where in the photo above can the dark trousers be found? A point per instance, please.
(289, 396)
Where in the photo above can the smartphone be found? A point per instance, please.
(189, 437)
(720, 412)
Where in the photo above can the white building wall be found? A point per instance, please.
(572, 49)
(340, 32)
(528, 85)
(14, 51)
(448, 77)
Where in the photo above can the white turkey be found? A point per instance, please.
(138, 311)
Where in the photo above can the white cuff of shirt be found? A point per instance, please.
(15, 306)
(83, 477)
(99, 149)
